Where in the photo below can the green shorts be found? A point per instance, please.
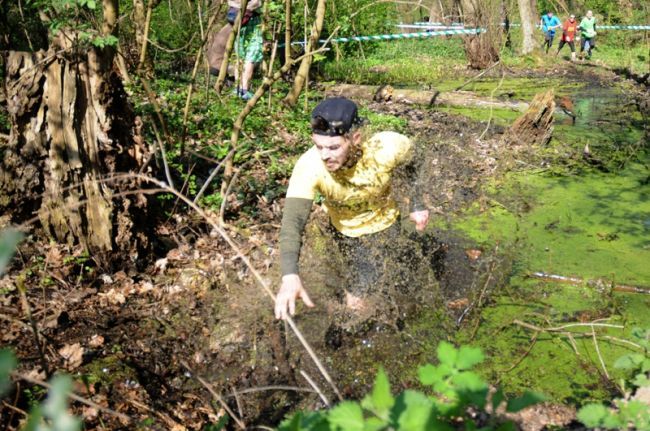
(249, 45)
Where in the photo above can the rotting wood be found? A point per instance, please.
(71, 125)
(535, 127)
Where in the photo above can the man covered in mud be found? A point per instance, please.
(353, 173)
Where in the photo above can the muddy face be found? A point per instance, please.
(335, 151)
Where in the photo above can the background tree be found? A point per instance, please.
(529, 17)
(482, 49)
(71, 128)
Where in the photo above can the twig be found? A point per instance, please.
(14, 409)
(163, 155)
(74, 396)
(316, 388)
(533, 340)
(237, 401)
(572, 341)
(477, 76)
(32, 322)
(563, 327)
(600, 357)
(487, 127)
(171, 51)
(214, 172)
(273, 388)
(216, 396)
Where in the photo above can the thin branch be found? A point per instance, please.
(216, 396)
(163, 155)
(273, 388)
(600, 357)
(316, 388)
(563, 327)
(74, 396)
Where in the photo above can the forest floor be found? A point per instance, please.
(129, 338)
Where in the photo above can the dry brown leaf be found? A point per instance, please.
(72, 354)
(96, 341)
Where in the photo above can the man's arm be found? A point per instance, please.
(294, 217)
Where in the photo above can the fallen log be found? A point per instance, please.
(425, 97)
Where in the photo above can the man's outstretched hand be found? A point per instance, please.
(420, 218)
(285, 300)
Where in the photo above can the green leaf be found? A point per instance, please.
(507, 426)
(219, 425)
(468, 357)
(614, 421)
(468, 381)
(629, 362)
(641, 380)
(380, 400)
(7, 365)
(292, 423)
(527, 399)
(91, 4)
(431, 375)
(55, 406)
(497, 399)
(447, 353)
(593, 415)
(374, 424)
(9, 239)
(347, 416)
(412, 411)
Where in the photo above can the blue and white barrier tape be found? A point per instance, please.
(380, 37)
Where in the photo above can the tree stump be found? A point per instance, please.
(535, 127)
(71, 128)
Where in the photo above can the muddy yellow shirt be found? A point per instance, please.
(357, 199)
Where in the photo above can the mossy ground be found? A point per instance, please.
(581, 223)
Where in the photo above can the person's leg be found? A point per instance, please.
(365, 258)
(546, 42)
(572, 45)
(247, 75)
(559, 48)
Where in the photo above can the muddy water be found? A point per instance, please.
(560, 214)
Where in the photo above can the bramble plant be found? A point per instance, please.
(454, 389)
(628, 413)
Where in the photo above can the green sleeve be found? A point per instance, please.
(294, 217)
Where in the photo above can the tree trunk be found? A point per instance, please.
(528, 14)
(482, 50)
(535, 127)
(71, 127)
(287, 31)
(305, 65)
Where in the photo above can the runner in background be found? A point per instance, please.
(549, 23)
(588, 30)
(569, 29)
